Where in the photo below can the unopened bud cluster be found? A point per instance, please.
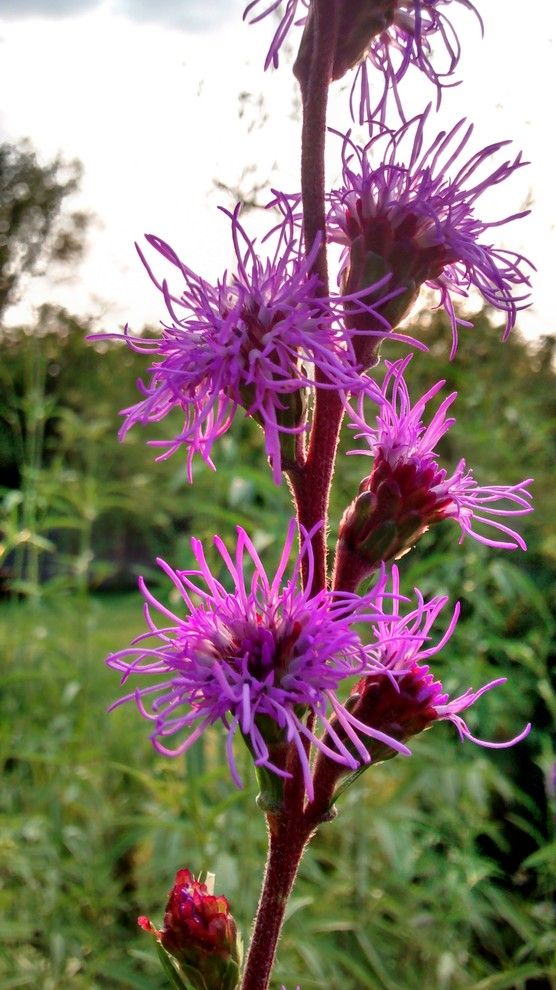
(396, 504)
(200, 936)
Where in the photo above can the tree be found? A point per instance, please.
(36, 233)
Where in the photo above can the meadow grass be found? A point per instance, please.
(94, 823)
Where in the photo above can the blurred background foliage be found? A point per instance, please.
(439, 870)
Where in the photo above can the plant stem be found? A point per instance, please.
(311, 481)
(289, 830)
(314, 90)
(287, 839)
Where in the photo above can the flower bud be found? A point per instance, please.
(400, 710)
(359, 22)
(395, 507)
(199, 934)
(365, 268)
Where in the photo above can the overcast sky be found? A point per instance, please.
(146, 94)
(186, 15)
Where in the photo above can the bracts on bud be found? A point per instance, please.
(199, 945)
(359, 22)
(364, 269)
(394, 508)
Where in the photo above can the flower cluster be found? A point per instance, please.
(403, 697)
(407, 209)
(407, 491)
(262, 657)
(250, 340)
(259, 658)
(266, 656)
(319, 682)
(388, 35)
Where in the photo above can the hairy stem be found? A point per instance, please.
(289, 830)
(287, 840)
(311, 481)
(314, 89)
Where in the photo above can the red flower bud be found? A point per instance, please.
(395, 507)
(200, 935)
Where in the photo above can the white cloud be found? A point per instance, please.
(17, 9)
(186, 15)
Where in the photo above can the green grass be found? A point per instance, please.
(406, 890)
(94, 824)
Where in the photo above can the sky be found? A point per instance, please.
(146, 93)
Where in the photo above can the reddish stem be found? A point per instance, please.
(290, 830)
(311, 481)
(287, 840)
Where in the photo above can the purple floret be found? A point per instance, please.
(406, 692)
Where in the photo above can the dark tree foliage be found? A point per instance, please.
(35, 232)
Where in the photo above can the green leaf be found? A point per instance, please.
(169, 969)
(510, 979)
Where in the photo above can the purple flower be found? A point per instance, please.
(404, 698)
(389, 35)
(257, 10)
(413, 216)
(259, 658)
(250, 340)
(407, 489)
(413, 28)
